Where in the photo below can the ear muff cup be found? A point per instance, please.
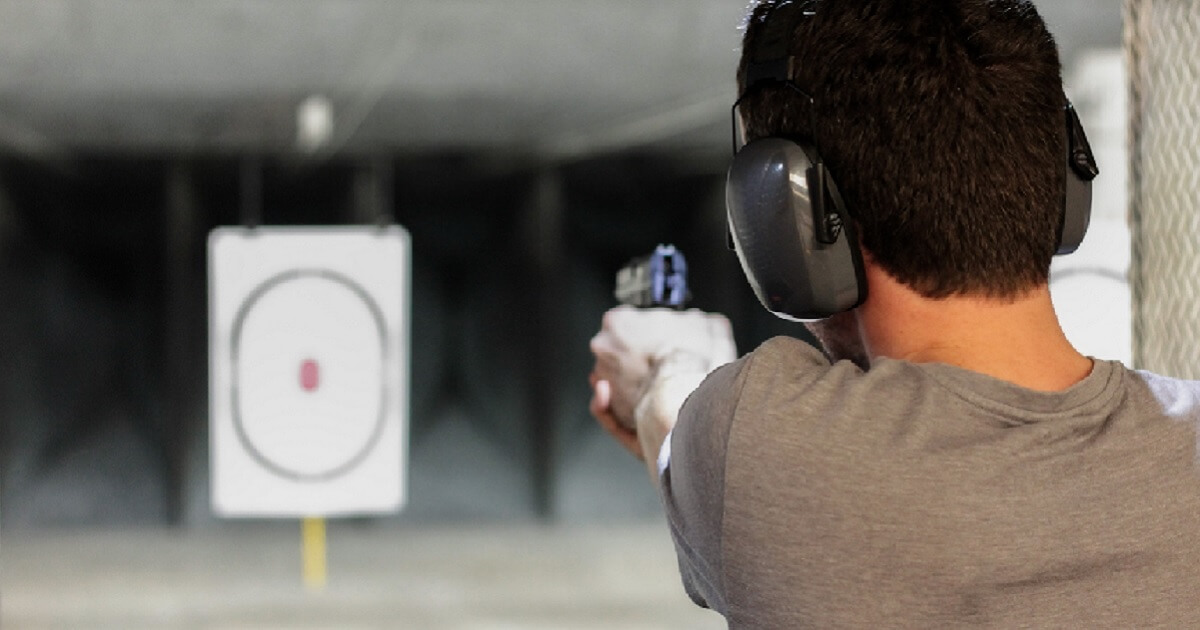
(1076, 214)
(769, 198)
(1077, 198)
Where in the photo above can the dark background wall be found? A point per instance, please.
(104, 391)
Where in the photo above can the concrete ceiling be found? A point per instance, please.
(555, 79)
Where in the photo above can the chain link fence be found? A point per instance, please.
(1162, 47)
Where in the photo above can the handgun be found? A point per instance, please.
(657, 280)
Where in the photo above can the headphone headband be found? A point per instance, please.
(771, 58)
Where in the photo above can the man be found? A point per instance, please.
(950, 459)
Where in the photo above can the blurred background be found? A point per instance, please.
(530, 147)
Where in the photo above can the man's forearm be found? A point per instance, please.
(658, 411)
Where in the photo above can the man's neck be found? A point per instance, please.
(1018, 340)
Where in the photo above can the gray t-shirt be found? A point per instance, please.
(805, 495)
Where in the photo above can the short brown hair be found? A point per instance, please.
(942, 122)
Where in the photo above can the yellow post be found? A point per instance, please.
(313, 552)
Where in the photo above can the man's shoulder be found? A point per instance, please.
(790, 349)
(1161, 380)
(785, 355)
(789, 363)
(777, 356)
(709, 411)
(1175, 396)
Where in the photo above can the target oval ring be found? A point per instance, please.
(308, 365)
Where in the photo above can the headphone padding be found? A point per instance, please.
(1077, 212)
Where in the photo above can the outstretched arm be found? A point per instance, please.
(648, 361)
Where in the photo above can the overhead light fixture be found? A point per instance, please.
(314, 123)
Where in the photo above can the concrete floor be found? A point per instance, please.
(246, 576)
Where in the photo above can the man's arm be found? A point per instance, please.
(647, 363)
(654, 415)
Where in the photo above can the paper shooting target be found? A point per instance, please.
(307, 378)
(308, 355)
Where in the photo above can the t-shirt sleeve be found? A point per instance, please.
(692, 483)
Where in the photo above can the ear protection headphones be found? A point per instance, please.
(788, 223)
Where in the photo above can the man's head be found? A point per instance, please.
(942, 122)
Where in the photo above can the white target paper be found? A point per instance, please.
(308, 370)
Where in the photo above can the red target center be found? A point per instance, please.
(310, 375)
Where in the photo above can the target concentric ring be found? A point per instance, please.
(331, 286)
